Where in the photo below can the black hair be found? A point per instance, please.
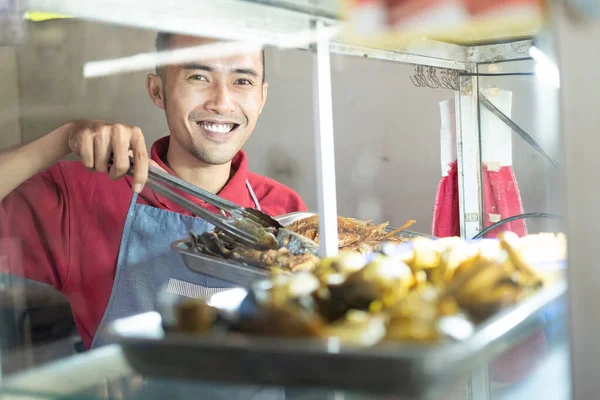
(162, 44)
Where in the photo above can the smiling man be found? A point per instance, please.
(103, 239)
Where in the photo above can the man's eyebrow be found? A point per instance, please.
(238, 71)
(246, 71)
(197, 66)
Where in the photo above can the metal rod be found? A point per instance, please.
(325, 156)
(517, 129)
(469, 155)
(479, 385)
(514, 218)
(499, 74)
(449, 58)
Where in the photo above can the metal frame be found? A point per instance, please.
(479, 385)
(436, 54)
(494, 53)
(325, 154)
(268, 22)
(469, 155)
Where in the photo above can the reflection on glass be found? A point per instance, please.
(388, 169)
(520, 170)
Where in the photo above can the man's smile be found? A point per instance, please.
(219, 131)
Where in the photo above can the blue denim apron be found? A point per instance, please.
(146, 263)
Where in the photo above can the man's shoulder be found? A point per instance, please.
(73, 172)
(79, 182)
(70, 169)
(275, 198)
(61, 175)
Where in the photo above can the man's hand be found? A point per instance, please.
(95, 141)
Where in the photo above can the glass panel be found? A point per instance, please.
(522, 174)
(539, 364)
(532, 156)
(388, 156)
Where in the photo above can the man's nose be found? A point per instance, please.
(221, 101)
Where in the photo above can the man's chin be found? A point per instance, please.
(214, 158)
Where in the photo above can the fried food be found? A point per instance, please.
(436, 291)
(298, 244)
(220, 245)
(195, 316)
(353, 235)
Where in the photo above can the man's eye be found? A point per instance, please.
(198, 78)
(243, 82)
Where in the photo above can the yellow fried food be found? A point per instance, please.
(415, 317)
(194, 316)
(358, 328)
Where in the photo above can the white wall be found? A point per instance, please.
(51, 84)
(386, 130)
(10, 129)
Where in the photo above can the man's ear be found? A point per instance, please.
(155, 87)
(265, 89)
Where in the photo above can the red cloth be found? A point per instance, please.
(69, 222)
(446, 221)
(501, 197)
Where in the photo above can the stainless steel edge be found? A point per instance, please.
(468, 152)
(499, 52)
(394, 368)
(221, 268)
(431, 53)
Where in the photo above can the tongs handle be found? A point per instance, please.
(235, 210)
(158, 181)
(222, 223)
(195, 191)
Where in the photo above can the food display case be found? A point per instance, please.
(524, 352)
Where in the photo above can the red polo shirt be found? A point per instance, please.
(68, 223)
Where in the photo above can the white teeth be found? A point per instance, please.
(217, 128)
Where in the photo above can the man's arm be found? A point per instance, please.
(21, 163)
(92, 141)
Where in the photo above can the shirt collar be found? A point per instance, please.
(235, 190)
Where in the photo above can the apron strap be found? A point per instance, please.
(254, 198)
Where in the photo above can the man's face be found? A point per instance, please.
(212, 105)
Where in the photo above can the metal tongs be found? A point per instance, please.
(248, 225)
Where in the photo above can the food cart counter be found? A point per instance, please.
(536, 366)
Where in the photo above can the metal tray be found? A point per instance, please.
(399, 369)
(218, 267)
(239, 273)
